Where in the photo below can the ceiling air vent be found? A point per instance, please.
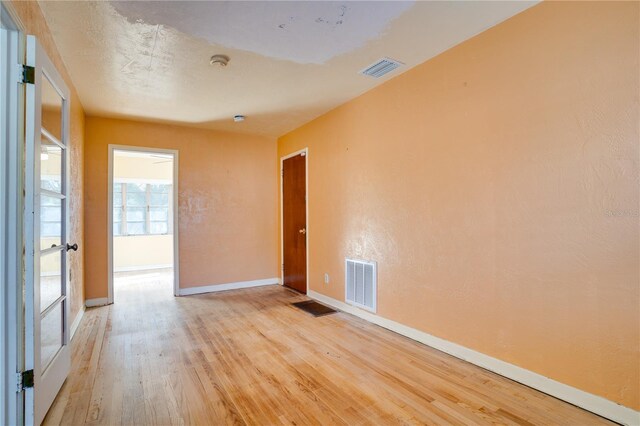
(380, 68)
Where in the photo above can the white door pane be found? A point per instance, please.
(50, 222)
(51, 109)
(51, 335)
(50, 165)
(50, 278)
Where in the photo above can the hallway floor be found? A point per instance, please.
(249, 357)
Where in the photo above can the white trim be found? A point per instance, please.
(100, 301)
(228, 286)
(76, 323)
(174, 202)
(142, 268)
(590, 402)
(143, 181)
(138, 154)
(12, 164)
(52, 138)
(304, 151)
(109, 230)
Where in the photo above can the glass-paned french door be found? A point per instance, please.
(46, 223)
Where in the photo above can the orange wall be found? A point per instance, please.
(496, 185)
(33, 23)
(226, 196)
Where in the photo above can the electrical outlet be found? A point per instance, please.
(326, 278)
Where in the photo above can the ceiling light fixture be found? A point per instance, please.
(219, 60)
(238, 118)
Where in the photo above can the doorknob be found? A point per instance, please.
(302, 231)
(72, 247)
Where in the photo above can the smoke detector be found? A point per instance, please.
(219, 60)
(238, 118)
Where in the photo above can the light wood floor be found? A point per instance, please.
(249, 357)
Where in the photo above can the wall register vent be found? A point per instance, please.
(361, 283)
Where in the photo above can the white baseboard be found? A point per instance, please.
(100, 301)
(580, 398)
(229, 286)
(76, 323)
(142, 268)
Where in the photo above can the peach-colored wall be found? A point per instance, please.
(142, 252)
(496, 185)
(227, 191)
(33, 21)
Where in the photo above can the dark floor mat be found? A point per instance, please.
(314, 308)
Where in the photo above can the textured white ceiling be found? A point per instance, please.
(304, 32)
(290, 61)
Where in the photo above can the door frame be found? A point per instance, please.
(12, 223)
(174, 206)
(304, 151)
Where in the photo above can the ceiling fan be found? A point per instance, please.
(165, 158)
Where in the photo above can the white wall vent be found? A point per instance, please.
(361, 283)
(380, 68)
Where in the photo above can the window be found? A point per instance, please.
(141, 209)
(135, 209)
(158, 209)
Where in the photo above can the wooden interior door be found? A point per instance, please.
(294, 218)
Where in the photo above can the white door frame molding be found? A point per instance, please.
(174, 205)
(11, 221)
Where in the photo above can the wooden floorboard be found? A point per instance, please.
(249, 357)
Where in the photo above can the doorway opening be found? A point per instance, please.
(143, 223)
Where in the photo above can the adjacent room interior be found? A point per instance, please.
(142, 241)
(312, 212)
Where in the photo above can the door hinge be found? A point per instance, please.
(25, 380)
(28, 75)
